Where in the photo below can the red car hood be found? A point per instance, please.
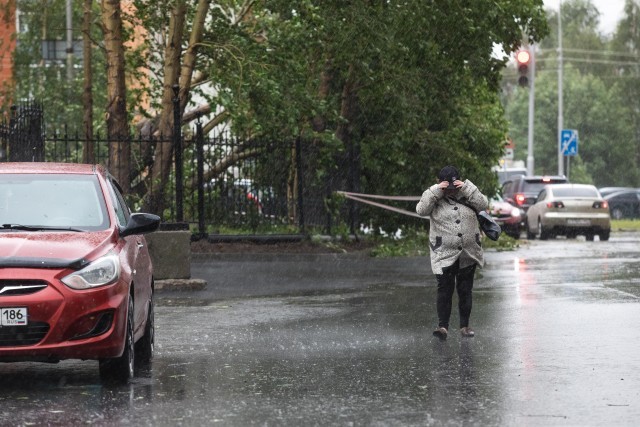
(52, 249)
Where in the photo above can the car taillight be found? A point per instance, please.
(601, 205)
(555, 204)
(520, 199)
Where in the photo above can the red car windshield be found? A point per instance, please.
(52, 200)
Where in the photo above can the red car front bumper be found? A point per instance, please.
(62, 323)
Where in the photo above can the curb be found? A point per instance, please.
(180, 284)
(269, 257)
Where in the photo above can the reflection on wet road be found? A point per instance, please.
(557, 344)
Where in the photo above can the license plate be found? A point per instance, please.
(578, 222)
(13, 316)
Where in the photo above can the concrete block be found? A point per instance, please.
(171, 254)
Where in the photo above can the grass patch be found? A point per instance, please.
(625, 224)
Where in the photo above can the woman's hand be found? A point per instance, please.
(445, 184)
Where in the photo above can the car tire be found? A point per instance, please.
(530, 235)
(617, 213)
(590, 237)
(604, 236)
(543, 234)
(119, 370)
(144, 346)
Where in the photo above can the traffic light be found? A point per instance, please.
(523, 58)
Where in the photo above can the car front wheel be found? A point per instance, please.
(119, 370)
(144, 346)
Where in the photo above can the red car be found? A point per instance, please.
(76, 279)
(508, 216)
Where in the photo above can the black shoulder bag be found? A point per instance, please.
(487, 224)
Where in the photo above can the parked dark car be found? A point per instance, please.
(624, 204)
(76, 277)
(521, 191)
(605, 191)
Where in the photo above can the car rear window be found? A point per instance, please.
(575, 192)
(54, 200)
(535, 187)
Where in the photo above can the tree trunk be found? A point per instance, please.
(190, 56)
(88, 152)
(116, 111)
(175, 73)
(164, 150)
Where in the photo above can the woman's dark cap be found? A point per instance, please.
(449, 173)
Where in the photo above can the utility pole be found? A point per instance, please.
(69, 43)
(560, 100)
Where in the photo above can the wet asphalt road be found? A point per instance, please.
(346, 340)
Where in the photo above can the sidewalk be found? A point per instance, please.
(228, 275)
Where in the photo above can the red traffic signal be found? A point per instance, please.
(523, 57)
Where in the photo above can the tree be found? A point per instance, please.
(595, 111)
(117, 119)
(42, 25)
(597, 102)
(625, 48)
(402, 86)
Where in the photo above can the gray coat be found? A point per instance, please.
(454, 232)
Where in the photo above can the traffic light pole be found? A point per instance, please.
(532, 89)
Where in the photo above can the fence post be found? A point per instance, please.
(200, 160)
(353, 184)
(328, 204)
(299, 173)
(177, 144)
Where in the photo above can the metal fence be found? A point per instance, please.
(218, 192)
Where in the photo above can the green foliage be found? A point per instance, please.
(600, 100)
(47, 81)
(405, 87)
(414, 243)
(504, 243)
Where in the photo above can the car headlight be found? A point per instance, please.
(100, 272)
(515, 212)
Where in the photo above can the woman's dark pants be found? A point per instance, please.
(462, 280)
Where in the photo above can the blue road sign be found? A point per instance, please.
(569, 142)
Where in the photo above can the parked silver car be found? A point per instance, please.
(569, 210)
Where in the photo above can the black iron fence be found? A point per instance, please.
(227, 183)
(24, 132)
